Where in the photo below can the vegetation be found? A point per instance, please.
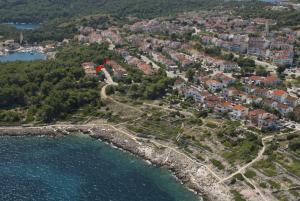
(49, 90)
(145, 87)
(34, 10)
(217, 163)
(237, 196)
(250, 174)
(241, 146)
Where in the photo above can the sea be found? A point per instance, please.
(23, 56)
(80, 168)
(24, 26)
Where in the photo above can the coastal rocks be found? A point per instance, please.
(32, 131)
(193, 174)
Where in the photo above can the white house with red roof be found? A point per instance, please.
(292, 101)
(278, 95)
(239, 112)
(214, 85)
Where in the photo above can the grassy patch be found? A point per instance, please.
(211, 125)
(237, 196)
(273, 184)
(217, 163)
(250, 174)
(267, 167)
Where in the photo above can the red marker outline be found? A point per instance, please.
(99, 68)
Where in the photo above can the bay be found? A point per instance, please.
(79, 168)
(24, 26)
(23, 56)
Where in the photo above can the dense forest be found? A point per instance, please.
(44, 10)
(45, 91)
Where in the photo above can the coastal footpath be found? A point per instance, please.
(192, 174)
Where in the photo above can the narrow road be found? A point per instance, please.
(259, 156)
(242, 169)
(155, 66)
(157, 143)
(168, 109)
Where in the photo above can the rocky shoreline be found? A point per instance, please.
(192, 174)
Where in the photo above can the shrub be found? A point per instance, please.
(250, 174)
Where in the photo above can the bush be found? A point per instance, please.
(110, 89)
(218, 164)
(263, 185)
(250, 174)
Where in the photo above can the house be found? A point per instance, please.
(282, 57)
(257, 46)
(179, 83)
(278, 95)
(256, 80)
(182, 58)
(268, 121)
(118, 70)
(231, 92)
(284, 109)
(292, 101)
(211, 101)
(224, 107)
(89, 68)
(261, 92)
(272, 81)
(249, 88)
(224, 79)
(146, 68)
(239, 112)
(228, 66)
(263, 119)
(250, 99)
(269, 103)
(195, 93)
(213, 85)
(254, 115)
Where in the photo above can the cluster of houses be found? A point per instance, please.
(159, 26)
(91, 35)
(117, 69)
(257, 100)
(280, 50)
(173, 54)
(8, 45)
(254, 102)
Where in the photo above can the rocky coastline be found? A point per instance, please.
(193, 175)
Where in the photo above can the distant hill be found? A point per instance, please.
(44, 10)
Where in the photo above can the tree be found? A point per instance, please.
(261, 71)
(110, 89)
(190, 74)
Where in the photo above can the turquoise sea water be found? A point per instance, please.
(23, 56)
(79, 168)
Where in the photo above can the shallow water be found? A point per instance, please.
(77, 168)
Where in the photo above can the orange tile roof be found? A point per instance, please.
(279, 92)
(239, 107)
(257, 112)
(227, 104)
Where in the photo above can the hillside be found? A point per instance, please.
(43, 10)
